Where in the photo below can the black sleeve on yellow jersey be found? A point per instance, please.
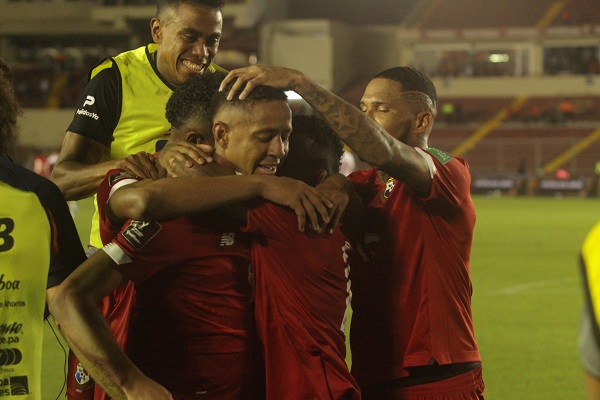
(99, 108)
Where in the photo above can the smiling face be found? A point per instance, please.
(188, 37)
(253, 138)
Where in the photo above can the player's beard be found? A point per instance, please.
(405, 133)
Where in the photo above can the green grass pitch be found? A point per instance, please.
(526, 302)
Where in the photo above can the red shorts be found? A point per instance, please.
(467, 386)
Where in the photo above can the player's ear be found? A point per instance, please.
(194, 138)
(423, 121)
(155, 30)
(221, 134)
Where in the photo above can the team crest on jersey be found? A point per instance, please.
(114, 178)
(389, 186)
(82, 377)
(138, 233)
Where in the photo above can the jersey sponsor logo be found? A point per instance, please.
(9, 285)
(14, 386)
(227, 239)
(11, 329)
(86, 113)
(138, 233)
(9, 333)
(10, 357)
(114, 178)
(10, 303)
(89, 101)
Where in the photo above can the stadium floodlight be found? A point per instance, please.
(499, 58)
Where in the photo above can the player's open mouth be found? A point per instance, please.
(198, 68)
(267, 170)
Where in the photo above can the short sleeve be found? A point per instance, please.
(99, 108)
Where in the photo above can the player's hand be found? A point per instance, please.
(335, 188)
(247, 78)
(142, 165)
(305, 200)
(175, 156)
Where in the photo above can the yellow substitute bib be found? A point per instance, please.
(25, 247)
(142, 123)
(590, 255)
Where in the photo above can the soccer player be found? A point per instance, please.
(121, 121)
(300, 279)
(301, 285)
(589, 332)
(39, 248)
(193, 326)
(188, 113)
(412, 330)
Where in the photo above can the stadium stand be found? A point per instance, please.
(483, 55)
(450, 14)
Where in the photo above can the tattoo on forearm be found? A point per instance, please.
(350, 124)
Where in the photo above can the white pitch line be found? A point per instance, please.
(535, 285)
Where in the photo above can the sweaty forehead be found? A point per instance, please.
(382, 90)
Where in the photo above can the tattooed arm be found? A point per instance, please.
(372, 143)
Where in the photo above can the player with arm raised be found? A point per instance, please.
(412, 328)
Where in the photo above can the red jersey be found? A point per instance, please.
(412, 296)
(116, 307)
(301, 294)
(192, 329)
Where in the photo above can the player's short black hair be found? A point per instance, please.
(258, 94)
(9, 109)
(161, 5)
(193, 99)
(412, 80)
(313, 147)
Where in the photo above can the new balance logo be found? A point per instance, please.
(227, 239)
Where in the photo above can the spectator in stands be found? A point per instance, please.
(565, 110)
(412, 330)
(39, 248)
(121, 120)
